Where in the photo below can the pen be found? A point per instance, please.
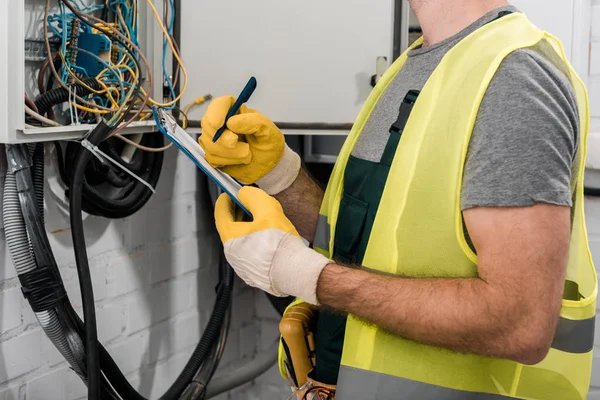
(244, 97)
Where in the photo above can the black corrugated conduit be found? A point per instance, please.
(60, 95)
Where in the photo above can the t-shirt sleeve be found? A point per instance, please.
(525, 138)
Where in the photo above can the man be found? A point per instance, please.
(452, 226)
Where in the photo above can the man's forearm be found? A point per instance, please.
(301, 203)
(459, 314)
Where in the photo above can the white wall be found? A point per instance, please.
(154, 278)
(593, 205)
(594, 81)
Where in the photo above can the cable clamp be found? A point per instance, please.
(100, 155)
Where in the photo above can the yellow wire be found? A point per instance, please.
(198, 101)
(90, 110)
(133, 6)
(183, 70)
(108, 90)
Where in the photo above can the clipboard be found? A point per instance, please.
(168, 126)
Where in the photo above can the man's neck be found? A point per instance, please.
(441, 19)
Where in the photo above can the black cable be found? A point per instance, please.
(107, 190)
(208, 340)
(83, 269)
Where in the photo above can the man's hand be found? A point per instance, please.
(268, 253)
(252, 149)
(510, 311)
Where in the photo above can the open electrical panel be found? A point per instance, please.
(99, 70)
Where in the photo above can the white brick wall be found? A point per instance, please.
(154, 277)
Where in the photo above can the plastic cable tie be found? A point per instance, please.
(92, 149)
(70, 105)
(100, 155)
(75, 106)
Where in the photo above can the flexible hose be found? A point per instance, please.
(18, 245)
(60, 95)
(38, 177)
(14, 226)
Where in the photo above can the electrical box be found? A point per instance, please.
(22, 51)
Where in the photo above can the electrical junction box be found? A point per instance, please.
(22, 52)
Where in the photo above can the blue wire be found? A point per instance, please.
(164, 61)
(61, 26)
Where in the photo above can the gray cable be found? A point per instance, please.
(18, 245)
(245, 373)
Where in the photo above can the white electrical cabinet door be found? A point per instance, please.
(313, 59)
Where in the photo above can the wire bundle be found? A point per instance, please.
(122, 91)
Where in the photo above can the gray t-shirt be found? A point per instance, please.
(526, 134)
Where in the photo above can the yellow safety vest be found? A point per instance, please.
(418, 232)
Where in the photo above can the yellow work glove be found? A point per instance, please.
(268, 253)
(252, 149)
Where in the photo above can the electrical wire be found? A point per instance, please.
(31, 104)
(141, 147)
(129, 46)
(42, 73)
(51, 65)
(197, 102)
(119, 111)
(175, 54)
(40, 118)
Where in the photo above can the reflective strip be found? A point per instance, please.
(356, 384)
(574, 336)
(322, 234)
